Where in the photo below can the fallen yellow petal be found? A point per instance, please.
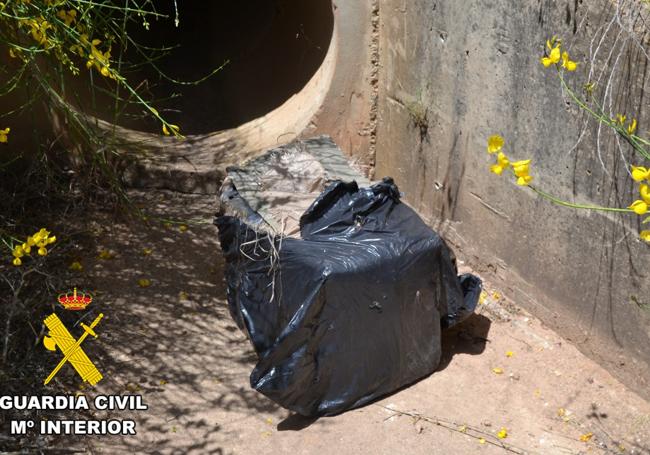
(503, 433)
(144, 282)
(76, 266)
(497, 370)
(586, 437)
(509, 353)
(481, 440)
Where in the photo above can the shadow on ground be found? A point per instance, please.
(468, 337)
(171, 341)
(174, 343)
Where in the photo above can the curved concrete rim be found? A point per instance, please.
(279, 126)
(336, 101)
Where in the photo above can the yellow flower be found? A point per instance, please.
(586, 437)
(502, 164)
(4, 135)
(553, 56)
(632, 127)
(509, 353)
(17, 262)
(76, 266)
(144, 282)
(42, 251)
(51, 239)
(98, 59)
(67, 16)
(645, 236)
(26, 248)
(482, 297)
(640, 173)
(18, 251)
(146, 251)
(175, 129)
(567, 63)
(521, 169)
(639, 207)
(39, 28)
(182, 228)
(524, 180)
(495, 143)
(644, 191)
(620, 118)
(503, 433)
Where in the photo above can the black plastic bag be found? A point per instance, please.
(351, 311)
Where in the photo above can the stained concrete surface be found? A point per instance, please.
(174, 343)
(452, 74)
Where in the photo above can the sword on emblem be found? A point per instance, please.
(71, 348)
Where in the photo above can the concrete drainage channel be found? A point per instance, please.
(336, 93)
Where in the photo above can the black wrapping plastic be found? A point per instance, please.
(351, 311)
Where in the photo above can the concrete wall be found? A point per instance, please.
(454, 72)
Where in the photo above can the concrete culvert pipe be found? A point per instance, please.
(296, 69)
(273, 49)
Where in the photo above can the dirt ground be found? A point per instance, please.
(174, 342)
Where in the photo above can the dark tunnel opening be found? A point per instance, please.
(273, 47)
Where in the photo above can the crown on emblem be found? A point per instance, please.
(75, 301)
